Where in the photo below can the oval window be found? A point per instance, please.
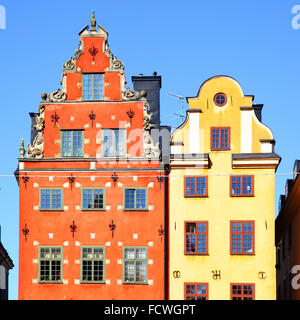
(220, 99)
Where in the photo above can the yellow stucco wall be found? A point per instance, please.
(219, 208)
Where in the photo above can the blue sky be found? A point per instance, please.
(186, 42)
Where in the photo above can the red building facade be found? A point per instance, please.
(92, 186)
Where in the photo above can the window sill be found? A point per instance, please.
(92, 282)
(202, 196)
(242, 254)
(46, 282)
(242, 195)
(51, 210)
(196, 254)
(135, 283)
(141, 210)
(93, 210)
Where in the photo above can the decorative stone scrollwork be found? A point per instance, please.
(57, 96)
(147, 117)
(70, 66)
(151, 150)
(36, 150)
(79, 51)
(116, 64)
(108, 51)
(129, 95)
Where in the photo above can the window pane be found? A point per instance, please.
(108, 150)
(191, 227)
(72, 143)
(92, 264)
(242, 238)
(50, 262)
(140, 199)
(56, 199)
(247, 185)
(51, 199)
(130, 198)
(120, 142)
(45, 199)
(140, 271)
(220, 138)
(140, 253)
(114, 142)
(87, 199)
(242, 292)
(98, 199)
(93, 86)
(92, 199)
(129, 254)
(196, 291)
(135, 265)
(196, 238)
(129, 271)
(98, 271)
(190, 243)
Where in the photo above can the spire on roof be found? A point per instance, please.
(93, 22)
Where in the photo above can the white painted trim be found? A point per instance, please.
(176, 149)
(267, 148)
(246, 131)
(194, 132)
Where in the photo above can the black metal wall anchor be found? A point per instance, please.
(25, 180)
(115, 178)
(130, 114)
(73, 228)
(161, 233)
(216, 274)
(71, 180)
(25, 232)
(93, 51)
(160, 179)
(112, 227)
(92, 117)
(262, 275)
(54, 118)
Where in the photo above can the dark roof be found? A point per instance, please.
(190, 156)
(256, 156)
(5, 260)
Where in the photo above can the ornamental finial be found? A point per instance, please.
(22, 149)
(93, 22)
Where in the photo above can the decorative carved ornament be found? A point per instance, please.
(79, 50)
(36, 150)
(57, 96)
(130, 95)
(151, 150)
(115, 64)
(70, 66)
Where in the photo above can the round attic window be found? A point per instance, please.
(220, 99)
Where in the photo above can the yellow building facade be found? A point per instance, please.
(222, 189)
